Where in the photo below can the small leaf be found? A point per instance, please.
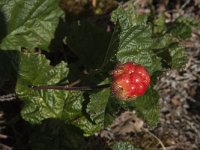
(178, 56)
(97, 107)
(86, 125)
(173, 56)
(56, 135)
(114, 106)
(162, 41)
(182, 27)
(144, 57)
(128, 18)
(123, 146)
(159, 25)
(147, 106)
(30, 24)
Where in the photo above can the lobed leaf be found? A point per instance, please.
(44, 104)
(125, 21)
(178, 56)
(134, 39)
(29, 24)
(182, 27)
(40, 104)
(128, 17)
(147, 107)
(97, 107)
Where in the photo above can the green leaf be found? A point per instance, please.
(182, 27)
(144, 57)
(86, 125)
(30, 24)
(43, 104)
(97, 107)
(134, 45)
(147, 106)
(88, 42)
(173, 56)
(133, 40)
(128, 17)
(123, 146)
(56, 135)
(40, 104)
(113, 108)
(162, 41)
(159, 25)
(125, 21)
(178, 56)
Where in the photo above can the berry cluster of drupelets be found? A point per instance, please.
(129, 81)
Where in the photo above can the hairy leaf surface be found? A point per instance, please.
(35, 70)
(29, 24)
(147, 107)
(97, 107)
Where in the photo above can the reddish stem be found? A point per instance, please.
(69, 88)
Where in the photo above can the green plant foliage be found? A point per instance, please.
(97, 107)
(147, 107)
(41, 104)
(29, 24)
(156, 51)
(159, 25)
(125, 21)
(44, 104)
(65, 116)
(128, 17)
(178, 56)
(135, 40)
(182, 27)
(56, 135)
(132, 40)
(123, 146)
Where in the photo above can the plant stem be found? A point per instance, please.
(69, 88)
(153, 135)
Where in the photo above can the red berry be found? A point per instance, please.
(123, 80)
(122, 86)
(117, 71)
(129, 81)
(147, 80)
(123, 68)
(141, 89)
(132, 89)
(135, 78)
(129, 68)
(142, 71)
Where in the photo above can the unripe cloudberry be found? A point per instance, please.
(129, 81)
